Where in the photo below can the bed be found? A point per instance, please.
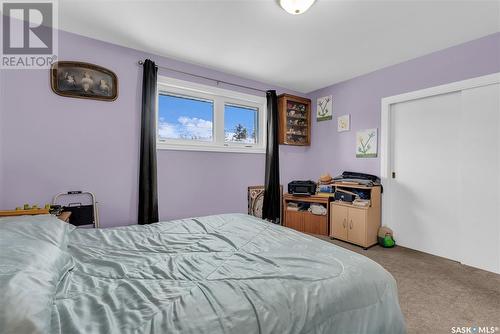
(228, 273)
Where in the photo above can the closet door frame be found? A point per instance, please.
(386, 136)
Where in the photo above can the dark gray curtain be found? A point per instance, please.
(148, 193)
(272, 196)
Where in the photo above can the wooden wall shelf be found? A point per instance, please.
(294, 120)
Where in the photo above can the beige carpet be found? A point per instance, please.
(437, 294)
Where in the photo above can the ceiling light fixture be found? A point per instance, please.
(296, 7)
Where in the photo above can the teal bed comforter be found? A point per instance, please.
(219, 274)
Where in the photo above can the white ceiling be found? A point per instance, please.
(256, 39)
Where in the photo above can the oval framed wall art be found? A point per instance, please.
(83, 80)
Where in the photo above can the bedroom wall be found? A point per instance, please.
(52, 144)
(361, 98)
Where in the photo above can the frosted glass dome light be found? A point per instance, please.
(296, 7)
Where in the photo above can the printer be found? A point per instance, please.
(305, 188)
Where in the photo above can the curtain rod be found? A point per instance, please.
(141, 62)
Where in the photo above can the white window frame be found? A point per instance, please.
(220, 96)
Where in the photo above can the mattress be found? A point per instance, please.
(228, 273)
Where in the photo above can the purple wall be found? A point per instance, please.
(361, 98)
(52, 144)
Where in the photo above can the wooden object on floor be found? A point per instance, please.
(64, 216)
(305, 221)
(354, 224)
(294, 120)
(10, 213)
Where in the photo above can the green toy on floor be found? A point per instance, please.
(385, 237)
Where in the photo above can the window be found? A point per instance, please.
(186, 118)
(240, 124)
(205, 118)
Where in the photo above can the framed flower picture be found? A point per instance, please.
(324, 108)
(366, 143)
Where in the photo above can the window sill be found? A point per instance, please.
(210, 148)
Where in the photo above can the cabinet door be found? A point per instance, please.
(294, 219)
(357, 226)
(338, 221)
(315, 224)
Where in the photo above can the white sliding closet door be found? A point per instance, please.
(480, 169)
(445, 195)
(425, 192)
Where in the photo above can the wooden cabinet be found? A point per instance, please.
(357, 225)
(294, 120)
(305, 221)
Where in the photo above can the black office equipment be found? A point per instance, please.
(358, 178)
(361, 176)
(344, 195)
(306, 188)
